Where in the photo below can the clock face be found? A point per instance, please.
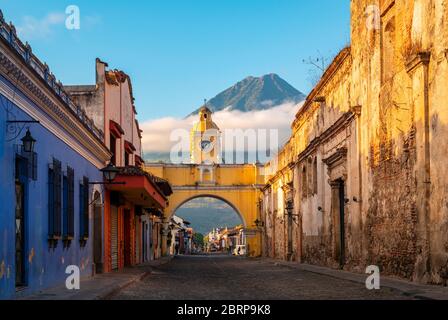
(206, 146)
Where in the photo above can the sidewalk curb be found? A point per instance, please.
(414, 290)
(109, 295)
(113, 292)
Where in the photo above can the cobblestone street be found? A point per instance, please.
(223, 277)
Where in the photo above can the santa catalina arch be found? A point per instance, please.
(239, 185)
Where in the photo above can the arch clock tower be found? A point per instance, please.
(205, 140)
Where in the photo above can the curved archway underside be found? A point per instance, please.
(220, 199)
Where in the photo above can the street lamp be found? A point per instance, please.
(289, 209)
(259, 223)
(110, 172)
(28, 142)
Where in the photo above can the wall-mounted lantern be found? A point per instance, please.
(289, 207)
(289, 212)
(259, 223)
(110, 172)
(28, 142)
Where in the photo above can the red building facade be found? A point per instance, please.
(134, 200)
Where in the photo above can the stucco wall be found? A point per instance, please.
(45, 267)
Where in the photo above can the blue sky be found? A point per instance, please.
(179, 52)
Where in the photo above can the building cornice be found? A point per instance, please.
(22, 55)
(339, 155)
(339, 125)
(49, 109)
(421, 58)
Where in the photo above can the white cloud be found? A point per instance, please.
(156, 133)
(32, 27)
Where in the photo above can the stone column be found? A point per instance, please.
(417, 68)
(361, 234)
(165, 239)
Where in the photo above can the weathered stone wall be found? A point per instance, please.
(403, 110)
(382, 86)
(391, 223)
(377, 120)
(438, 133)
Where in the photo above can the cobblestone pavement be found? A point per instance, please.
(231, 278)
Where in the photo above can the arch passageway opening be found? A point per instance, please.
(239, 186)
(212, 226)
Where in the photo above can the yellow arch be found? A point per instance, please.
(237, 185)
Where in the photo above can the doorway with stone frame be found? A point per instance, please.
(337, 172)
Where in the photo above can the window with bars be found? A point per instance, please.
(69, 204)
(54, 200)
(84, 210)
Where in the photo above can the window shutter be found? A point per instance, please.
(65, 206)
(57, 167)
(86, 207)
(81, 211)
(50, 202)
(71, 202)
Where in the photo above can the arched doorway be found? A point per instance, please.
(215, 224)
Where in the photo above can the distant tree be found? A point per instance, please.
(318, 66)
(198, 239)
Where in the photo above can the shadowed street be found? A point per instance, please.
(223, 277)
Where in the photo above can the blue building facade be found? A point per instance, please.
(50, 208)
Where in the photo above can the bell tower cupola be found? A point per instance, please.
(205, 139)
